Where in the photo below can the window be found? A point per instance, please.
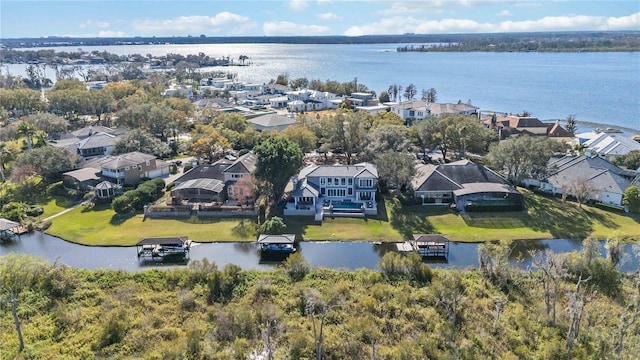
(350, 191)
(336, 192)
(336, 181)
(147, 163)
(342, 181)
(323, 181)
(350, 181)
(330, 181)
(366, 183)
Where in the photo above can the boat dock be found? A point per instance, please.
(9, 230)
(279, 244)
(160, 249)
(427, 245)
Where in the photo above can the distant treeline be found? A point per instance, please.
(538, 42)
(627, 38)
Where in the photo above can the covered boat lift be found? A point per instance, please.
(279, 244)
(10, 229)
(175, 248)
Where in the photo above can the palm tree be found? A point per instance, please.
(27, 130)
(5, 156)
(41, 138)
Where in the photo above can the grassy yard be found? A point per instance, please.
(54, 206)
(544, 219)
(102, 226)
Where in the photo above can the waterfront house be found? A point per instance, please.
(518, 125)
(130, 168)
(603, 181)
(90, 141)
(611, 144)
(443, 109)
(466, 185)
(334, 190)
(81, 179)
(361, 99)
(217, 181)
(411, 110)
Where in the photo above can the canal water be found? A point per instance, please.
(337, 255)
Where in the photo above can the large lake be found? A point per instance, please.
(596, 87)
(338, 255)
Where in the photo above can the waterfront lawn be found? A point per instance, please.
(54, 206)
(544, 218)
(102, 226)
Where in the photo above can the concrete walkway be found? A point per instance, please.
(62, 212)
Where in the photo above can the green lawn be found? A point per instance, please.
(544, 219)
(102, 226)
(54, 206)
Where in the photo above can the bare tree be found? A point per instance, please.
(582, 191)
(450, 296)
(578, 300)
(318, 307)
(629, 316)
(570, 123)
(552, 271)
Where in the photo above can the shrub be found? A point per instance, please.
(188, 166)
(296, 266)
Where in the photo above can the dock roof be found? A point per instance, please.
(163, 241)
(276, 239)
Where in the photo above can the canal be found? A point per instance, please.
(338, 255)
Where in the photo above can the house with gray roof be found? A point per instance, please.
(605, 182)
(611, 145)
(271, 122)
(217, 181)
(334, 190)
(465, 184)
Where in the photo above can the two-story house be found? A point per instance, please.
(217, 181)
(411, 110)
(334, 190)
(132, 168)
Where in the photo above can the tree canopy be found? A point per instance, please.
(524, 156)
(278, 159)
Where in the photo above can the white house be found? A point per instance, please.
(604, 181)
(334, 190)
(411, 110)
(611, 145)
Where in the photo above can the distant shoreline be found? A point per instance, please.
(562, 41)
(602, 126)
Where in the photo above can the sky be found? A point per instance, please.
(221, 18)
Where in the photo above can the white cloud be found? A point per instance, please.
(504, 13)
(631, 22)
(402, 25)
(298, 5)
(286, 28)
(324, 2)
(111, 33)
(104, 33)
(93, 23)
(189, 24)
(329, 16)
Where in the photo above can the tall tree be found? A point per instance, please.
(632, 198)
(395, 169)
(208, 144)
(387, 138)
(524, 157)
(410, 92)
(142, 141)
(570, 123)
(27, 130)
(48, 161)
(278, 159)
(302, 136)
